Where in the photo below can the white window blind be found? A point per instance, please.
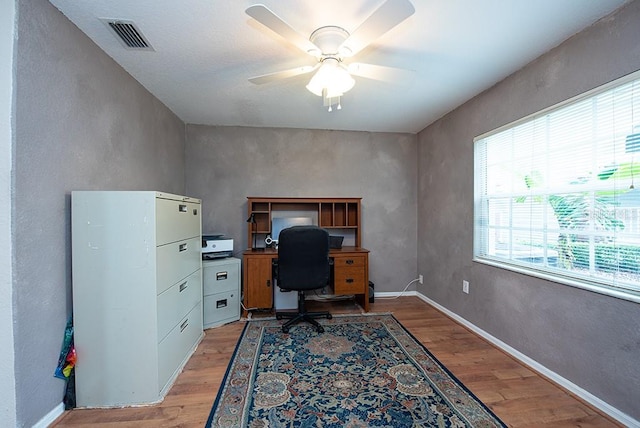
(556, 196)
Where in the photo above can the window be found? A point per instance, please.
(557, 194)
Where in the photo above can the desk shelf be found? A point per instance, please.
(340, 214)
(335, 214)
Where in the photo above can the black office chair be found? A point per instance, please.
(303, 264)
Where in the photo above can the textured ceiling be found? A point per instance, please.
(205, 50)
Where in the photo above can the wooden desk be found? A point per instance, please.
(350, 276)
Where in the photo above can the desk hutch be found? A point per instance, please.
(340, 216)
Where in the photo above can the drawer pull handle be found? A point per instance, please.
(195, 211)
(221, 303)
(221, 276)
(182, 208)
(349, 262)
(184, 325)
(183, 286)
(268, 283)
(182, 247)
(349, 280)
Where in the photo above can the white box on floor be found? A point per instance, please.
(285, 300)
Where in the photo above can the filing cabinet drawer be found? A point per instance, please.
(176, 261)
(176, 220)
(220, 275)
(221, 308)
(177, 301)
(349, 280)
(181, 339)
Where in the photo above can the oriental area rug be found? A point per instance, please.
(363, 371)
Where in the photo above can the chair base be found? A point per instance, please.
(302, 315)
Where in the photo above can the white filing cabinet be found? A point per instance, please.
(137, 293)
(221, 290)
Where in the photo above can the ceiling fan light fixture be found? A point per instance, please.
(331, 45)
(331, 80)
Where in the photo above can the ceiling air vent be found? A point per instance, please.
(128, 34)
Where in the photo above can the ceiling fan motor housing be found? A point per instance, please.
(330, 39)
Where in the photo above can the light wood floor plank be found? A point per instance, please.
(517, 394)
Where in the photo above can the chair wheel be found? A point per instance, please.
(278, 316)
(329, 316)
(285, 330)
(320, 329)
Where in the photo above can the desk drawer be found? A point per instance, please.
(349, 280)
(340, 262)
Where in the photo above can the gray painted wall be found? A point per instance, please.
(227, 164)
(7, 385)
(81, 123)
(590, 339)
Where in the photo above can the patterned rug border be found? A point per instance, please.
(363, 314)
(271, 321)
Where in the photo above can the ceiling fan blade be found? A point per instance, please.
(284, 74)
(387, 16)
(266, 17)
(380, 72)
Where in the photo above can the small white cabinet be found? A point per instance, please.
(137, 293)
(221, 290)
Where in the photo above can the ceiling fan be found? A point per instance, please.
(333, 46)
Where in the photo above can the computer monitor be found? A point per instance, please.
(280, 223)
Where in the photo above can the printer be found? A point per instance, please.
(216, 246)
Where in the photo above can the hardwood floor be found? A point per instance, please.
(517, 394)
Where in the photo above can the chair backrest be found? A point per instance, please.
(303, 258)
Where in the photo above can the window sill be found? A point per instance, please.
(572, 282)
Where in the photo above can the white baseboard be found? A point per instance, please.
(386, 295)
(48, 419)
(596, 402)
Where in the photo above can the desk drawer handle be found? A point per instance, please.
(184, 325)
(268, 283)
(182, 247)
(221, 276)
(182, 208)
(183, 286)
(349, 262)
(349, 280)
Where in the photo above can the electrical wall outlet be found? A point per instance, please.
(465, 286)
(420, 279)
